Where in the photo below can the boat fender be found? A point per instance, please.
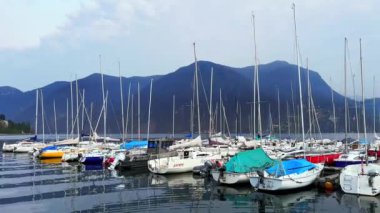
(219, 164)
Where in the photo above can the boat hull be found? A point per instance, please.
(8, 147)
(51, 154)
(342, 164)
(357, 179)
(327, 158)
(93, 160)
(23, 149)
(230, 178)
(374, 153)
(177, 165)
(287, 182)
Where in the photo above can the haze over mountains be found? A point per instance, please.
(235, 85)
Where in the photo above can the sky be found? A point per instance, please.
(59, 40)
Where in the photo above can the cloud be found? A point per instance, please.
(156, 36)
(104, 20)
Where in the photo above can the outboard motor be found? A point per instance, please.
(372, 174)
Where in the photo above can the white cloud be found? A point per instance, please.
(162, 32)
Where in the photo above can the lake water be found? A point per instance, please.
(27, 185)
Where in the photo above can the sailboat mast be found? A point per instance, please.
(345, 93)
(122, 105)
(72, 109)
(36, 115)
(279, 113)
(288, 116)
(210, 110)
(150, 104)
(191, 118)
(256, 79)
(240, 119)
(374, 108)
(220, 111)
(132, 115)
(173, 116)
(333, 108)
(363, 106)
(309, 96)
(67, 118)
(258, 101)
(127, 120)
(299, 76)
(77, 103)
(293, 108)
(138, 111)
(197, 92)
(104, 103)
(43, 117)
(356, 107)
(83, 107)
(55, 122)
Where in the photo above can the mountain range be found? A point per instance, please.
(235, 85)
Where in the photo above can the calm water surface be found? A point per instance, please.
(34, 186)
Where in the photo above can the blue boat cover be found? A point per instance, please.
(249, 161)
(296, 166)
(363, 141)
(134, 144)
(49, 148)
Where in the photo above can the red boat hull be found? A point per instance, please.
(374, 153)
(326, 158)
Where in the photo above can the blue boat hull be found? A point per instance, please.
(92, 160)
(342, 164)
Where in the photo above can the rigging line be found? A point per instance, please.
(114, 114)
(87, 116)
(204, 90)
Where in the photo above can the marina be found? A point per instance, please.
(39, 185)
(264, 134)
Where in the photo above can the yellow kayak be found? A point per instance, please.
(51, 154)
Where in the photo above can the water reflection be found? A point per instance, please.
(41, 186)
(359, 203)
(51, 161)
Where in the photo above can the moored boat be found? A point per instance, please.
(286, 175)
(353, 157)
(183, 161)
(240, 167)
(361, 179)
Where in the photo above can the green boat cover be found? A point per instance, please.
(248, 161)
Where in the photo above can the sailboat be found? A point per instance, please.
(374, 149)
(241, 167)
(185, 160)
(26, 145)
(290, 174)
(364, 178)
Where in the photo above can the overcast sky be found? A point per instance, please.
(46, 41)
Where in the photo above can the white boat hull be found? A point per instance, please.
(177, 165)
(293, 181)
(354, 179)
(8, 147)
(22, 149)
(230, 178)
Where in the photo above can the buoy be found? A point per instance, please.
(329, 185)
